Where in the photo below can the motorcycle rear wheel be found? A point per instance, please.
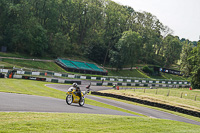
(69, 99)
(81, 102)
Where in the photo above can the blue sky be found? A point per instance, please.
(182, 16)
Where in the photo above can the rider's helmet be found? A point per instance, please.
(75, 84)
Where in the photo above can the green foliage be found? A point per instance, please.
(148, 70)
(172, 49)
(185, 66)
(191, 65)
(194, 61)
(195, 80)
(127, 50)
(101, 30)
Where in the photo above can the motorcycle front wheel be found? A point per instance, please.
(69, 99)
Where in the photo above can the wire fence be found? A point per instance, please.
(180, 93)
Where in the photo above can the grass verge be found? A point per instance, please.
(51, 66)
(156, 108)
(62, 122)
(161, 97)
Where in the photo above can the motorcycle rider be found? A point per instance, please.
(78, 90)
(74, 85)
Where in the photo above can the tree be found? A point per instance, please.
(150, 28)
(36, 43)
(190, 63)
(127, 50)
(184, 64)
(115, 17)
(171, 50)
(96, 29)
(194, 61)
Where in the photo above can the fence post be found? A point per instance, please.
(156, 91)
(195, 98)
(144, 90)
(168, 93)
(181, 94)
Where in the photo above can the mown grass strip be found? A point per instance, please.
(62, 122)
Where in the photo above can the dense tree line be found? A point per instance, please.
(190, 63)
(101, 30)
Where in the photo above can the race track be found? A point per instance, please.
(11, 102)
(138, 109)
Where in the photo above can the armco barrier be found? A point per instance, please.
(31, 78)
(136, 81)
(99, 84)
(139, 85)
(4, 70)
(46, 79)
(17, 76)
(107, 78)
(160, 105)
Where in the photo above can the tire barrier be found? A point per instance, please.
(2, 75)
(145, 102)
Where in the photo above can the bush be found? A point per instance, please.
(148, 70)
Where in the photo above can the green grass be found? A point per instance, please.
(157, 77)
(29, 87)
(17, 55)
(62, 122)
(161, 96)
(25, 56)
(38, 88)
(50, 66)
(173, 77)
(126, 73)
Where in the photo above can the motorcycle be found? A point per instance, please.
(72, 96)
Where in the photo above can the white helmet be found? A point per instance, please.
(75, 84)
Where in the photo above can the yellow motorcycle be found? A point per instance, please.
(72, 96)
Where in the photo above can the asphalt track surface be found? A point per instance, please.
(138, 109)
(11, 102)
